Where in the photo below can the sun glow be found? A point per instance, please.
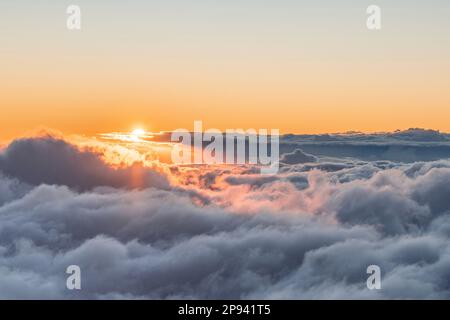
(138, 132)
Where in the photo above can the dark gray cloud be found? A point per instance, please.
(50, 160)
(406, 146)
(297, 156)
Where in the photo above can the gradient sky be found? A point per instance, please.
(300, 66)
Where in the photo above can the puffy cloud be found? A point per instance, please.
(151, 243)
(220, 231)
(432, 189)
(385, 207)
(52, 160)
(11, 189)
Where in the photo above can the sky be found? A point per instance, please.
(298, 66)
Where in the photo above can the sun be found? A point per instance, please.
(138, 132)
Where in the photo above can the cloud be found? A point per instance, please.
(50, 160)
(297, 156)
(417, 134)
(379, 203)
(11, 189)
(406, 146)
(220, 231)
(170, 246)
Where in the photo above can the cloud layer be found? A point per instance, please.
(220, 232)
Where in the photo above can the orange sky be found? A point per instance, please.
(276, 68)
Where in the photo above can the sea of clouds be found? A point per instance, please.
(338, 204)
